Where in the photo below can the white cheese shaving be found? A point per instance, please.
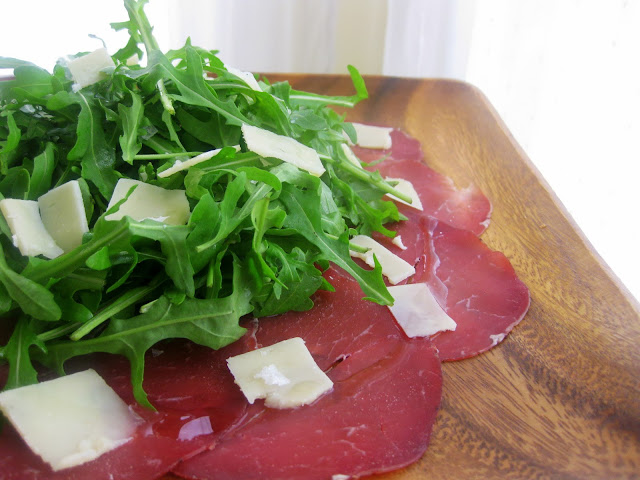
(397, 241)
(370, 136)
(284, 374)
(406, 187)
(87, 70)
(393, 267)
(417, 311)
(246, 77)
(270, 375)
(149, 201)
(28, 233)
(350, 155)
(63, 215)
(269, 144)
(70, 420)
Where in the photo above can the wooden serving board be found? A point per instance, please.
(560, 397)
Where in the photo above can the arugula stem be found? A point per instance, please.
(161, 146)
(308, 98)
(232, 163)
(137, 15)
(58, 332)
(163, 156)
(117, 305)
(367, 177)
(164, 97)
(74, 259)
(355, 248)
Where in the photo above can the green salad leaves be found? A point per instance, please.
(260, 230)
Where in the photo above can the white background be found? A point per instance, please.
(563, 74)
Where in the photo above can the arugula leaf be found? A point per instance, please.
(8, 62)
(43, 167)
(33, 299)
(313, 100)
(21, 370)
(174, 247)
(10, 144)
(97, 157)
(191, 85)
(304, 216)
(299, 280)
(132, 118)
(209, 322)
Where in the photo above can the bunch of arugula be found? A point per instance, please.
(260, 230)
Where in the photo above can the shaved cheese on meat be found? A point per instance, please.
(397, 241)
(70, 420)
(284, 374)
(405, 186)
(393, 267)
(377, 418)
(467, 208)
(196, 399)
(417, 311)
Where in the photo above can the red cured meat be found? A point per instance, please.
(477, 286)
(377, 418)
(466, 208)
(196, 399)
(414, 237)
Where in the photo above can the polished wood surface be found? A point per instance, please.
(560, 397)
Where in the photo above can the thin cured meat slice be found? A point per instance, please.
(375, 421)
(412, 246)
(145, 457)
(378, 417)
(467, 208)
(478, 288)
(196, 399)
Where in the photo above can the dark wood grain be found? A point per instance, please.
(560, 397)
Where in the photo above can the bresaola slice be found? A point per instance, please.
(375, 421)
(377, 418)
(196, 400)
(467, 208)
(478, 287)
